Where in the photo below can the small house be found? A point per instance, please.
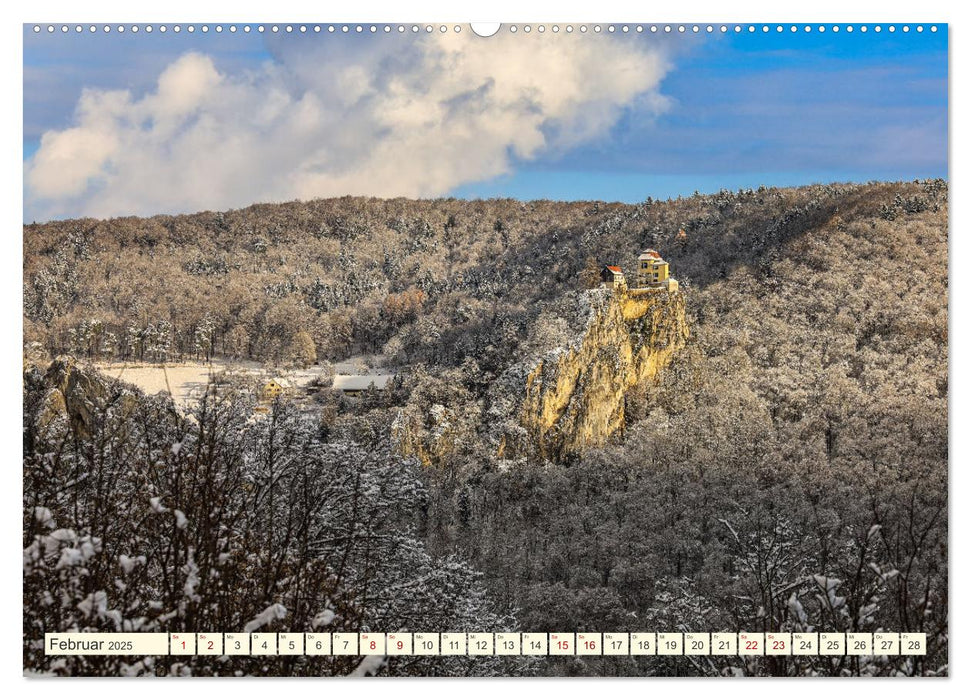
(613, 278)
(357, 384)
(273, 389)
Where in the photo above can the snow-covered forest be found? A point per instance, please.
(786, 471)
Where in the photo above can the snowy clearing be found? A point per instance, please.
(187, 381)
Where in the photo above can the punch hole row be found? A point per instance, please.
(513, 29)
(246, 29)
(710, 29)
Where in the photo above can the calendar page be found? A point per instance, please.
(552, 348)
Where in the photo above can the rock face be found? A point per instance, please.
(428, 439)
(575, 395)
(75, 393)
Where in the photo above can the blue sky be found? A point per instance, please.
(776, 109)
(707, 112)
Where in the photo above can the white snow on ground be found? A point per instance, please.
(187, 381)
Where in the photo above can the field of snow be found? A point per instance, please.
(186, 381)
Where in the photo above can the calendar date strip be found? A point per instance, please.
(486, 644)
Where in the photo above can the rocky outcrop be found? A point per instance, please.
(76, 393)
(427, 438)
(575, 395)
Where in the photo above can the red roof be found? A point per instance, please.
(651, 254)
(613, 268)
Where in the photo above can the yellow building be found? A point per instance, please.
(273, 389)
(652, 269)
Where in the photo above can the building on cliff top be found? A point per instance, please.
(653, 272)
(613, 277)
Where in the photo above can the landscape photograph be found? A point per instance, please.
(579, 329)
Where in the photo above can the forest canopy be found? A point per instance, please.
(787, 470)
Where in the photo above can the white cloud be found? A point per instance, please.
(390, 116)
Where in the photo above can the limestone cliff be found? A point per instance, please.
(76, 393)
(574, 396)
(429, 438)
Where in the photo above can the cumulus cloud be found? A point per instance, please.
(388, 116)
